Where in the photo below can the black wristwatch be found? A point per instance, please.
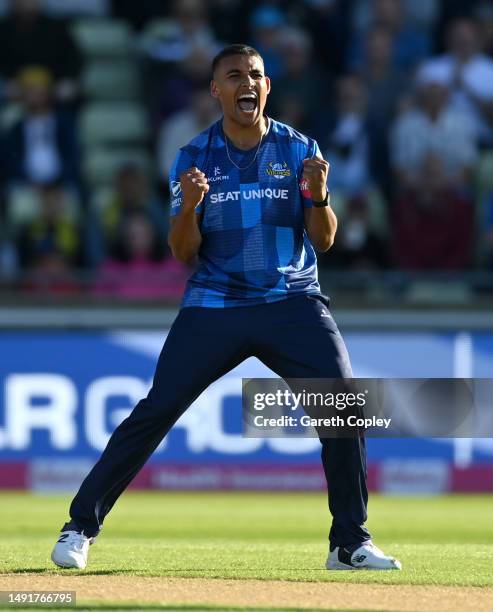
(324, 202)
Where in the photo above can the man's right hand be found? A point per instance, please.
(194, 186)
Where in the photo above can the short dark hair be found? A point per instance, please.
(237, 49)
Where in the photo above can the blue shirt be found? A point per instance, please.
(254, 245)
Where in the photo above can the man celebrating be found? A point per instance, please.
(249, 201)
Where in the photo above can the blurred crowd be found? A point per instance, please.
(96, 97)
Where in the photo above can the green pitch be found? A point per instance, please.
(440, 540)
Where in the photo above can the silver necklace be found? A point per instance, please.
(256, 152)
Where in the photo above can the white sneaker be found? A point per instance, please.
(367, 556)
(71, 549)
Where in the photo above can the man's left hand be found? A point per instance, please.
(315, 171)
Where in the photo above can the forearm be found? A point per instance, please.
(321, 227)
(184, 237)
(320, 221)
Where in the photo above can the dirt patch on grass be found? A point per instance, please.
(256, 593)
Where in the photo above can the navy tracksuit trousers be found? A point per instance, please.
(289, 336)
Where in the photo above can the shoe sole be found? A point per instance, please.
(342, 566)
(58, 564)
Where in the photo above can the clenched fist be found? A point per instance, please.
(315, 171)
(194, 186)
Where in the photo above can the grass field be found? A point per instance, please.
(221, 537)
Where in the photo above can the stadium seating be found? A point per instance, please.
(23, 205)
(103, 38)
(110, 80)
(113, 123)
(160, 39)
(430, 292)
(101, 164)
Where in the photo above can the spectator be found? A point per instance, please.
(303, 90)
(410, 45)
(266, 30)
(348, 146)
(183, 80)
(179, 58)
(9, 263)
(450, 11)
(42, 146)
(385, 86)
(433, 222)
(51, 243)
(132, 194)
(484, 18)
(419, 14)
(358, 246)
(328, 24)
(187, 32)
(469, 75)
(76, 8)
(432, 127)
(181, 127)
(486, 231)
(28, 38)
(230, 20)
(138, 14)
(139, 267)
(424, 14)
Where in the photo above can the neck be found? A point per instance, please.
(464, 58)
(245, 137)
(434, 114)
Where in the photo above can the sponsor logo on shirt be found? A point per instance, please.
(175, 188)
(218, 175)
(278, 170)
(305, 191)
(250, 194)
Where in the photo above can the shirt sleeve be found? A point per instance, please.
(306, 197)
(182, 162)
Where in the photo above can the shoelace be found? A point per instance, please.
(375, 548)
(77, 540)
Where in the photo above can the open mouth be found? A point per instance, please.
(247, 102)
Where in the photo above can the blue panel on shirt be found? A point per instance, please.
(284, 245)
(251, 208)
(254, 249)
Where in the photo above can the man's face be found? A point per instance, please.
(241, 87)
(26, 8)
(351, 95)
(132, 187)
(36, 96)
(434, 97)
(463, 39)
(379, 46)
